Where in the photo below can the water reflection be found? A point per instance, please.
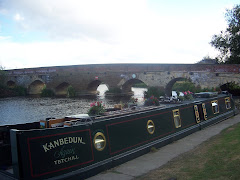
(26, 109)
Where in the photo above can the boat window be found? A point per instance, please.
(150, 127)
(215, 107)
(228, 103)
(204, 111)
(99, 141)
(176, 117)
(196, 114)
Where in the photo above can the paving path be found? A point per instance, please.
(151, 161)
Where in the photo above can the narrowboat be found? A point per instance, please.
(80, 146)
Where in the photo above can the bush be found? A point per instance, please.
(2, 75)
(20, 91)
(47, 92)
(140, 85)
(152, 101)
(10, 92)
(6, 92)
(115, 90)
(233, 86)
(154, 91)
(71, 92)
(183, 86)
(181, 98)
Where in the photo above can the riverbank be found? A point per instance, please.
(169, 161)
(4, 92)
(12, 92)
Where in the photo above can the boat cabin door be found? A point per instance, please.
(200, 112)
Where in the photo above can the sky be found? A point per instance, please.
(40, 33)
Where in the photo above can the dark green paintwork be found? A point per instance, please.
(124, 135)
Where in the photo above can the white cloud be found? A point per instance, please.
(50, 53)
(18, 17)
(5, 38)
(106, 31)
(79, 18)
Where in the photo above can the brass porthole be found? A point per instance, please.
(99, 141)
(150, 127)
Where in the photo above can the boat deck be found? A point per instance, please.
(134, 109)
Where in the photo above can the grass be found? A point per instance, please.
(217, 158)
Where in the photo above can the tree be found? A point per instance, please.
(2, 75)
(228, 41)
(208, 60)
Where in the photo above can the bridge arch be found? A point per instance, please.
(36, 87)
(92, 87)
(230, 87)
(127, 86)
(62, 89)
(11, 84)
(169, 86)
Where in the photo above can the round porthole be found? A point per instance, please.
(99, 141)
(150, 127)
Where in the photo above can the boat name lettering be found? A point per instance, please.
(64, 160)
(63, 152)
(62, 141)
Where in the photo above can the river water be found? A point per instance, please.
(15, 110)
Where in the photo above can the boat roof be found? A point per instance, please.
(138, 109)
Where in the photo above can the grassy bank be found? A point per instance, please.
(217, 158)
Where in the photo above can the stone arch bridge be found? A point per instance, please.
(85, 79)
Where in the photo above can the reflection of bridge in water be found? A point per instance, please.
(85, 79)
